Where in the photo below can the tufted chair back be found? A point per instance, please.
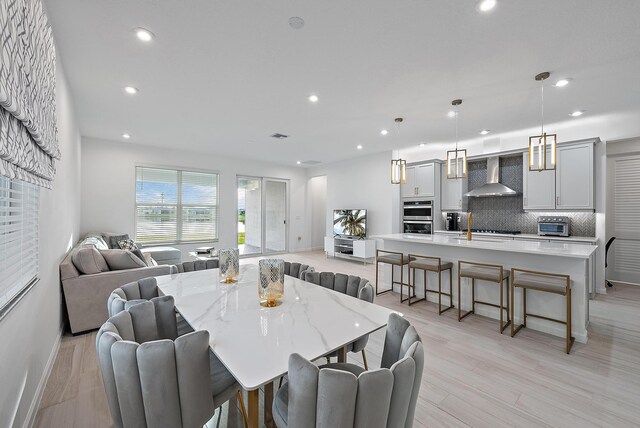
(297, 270)
(352, 285)
(152, 381)
(123, 298)
(198, 265)
(383, 398)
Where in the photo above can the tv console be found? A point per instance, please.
(353, 248)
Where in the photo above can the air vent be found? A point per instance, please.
(279, 136)
(310, 162)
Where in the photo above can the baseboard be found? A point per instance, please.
(30, 420)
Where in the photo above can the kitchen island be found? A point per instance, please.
(575, 260)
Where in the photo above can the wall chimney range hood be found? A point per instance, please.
(493, 187)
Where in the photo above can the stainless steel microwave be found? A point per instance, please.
(417, 210)
(554, 226)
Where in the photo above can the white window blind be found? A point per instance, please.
(18, 239)
(176, 206)
(626, 206)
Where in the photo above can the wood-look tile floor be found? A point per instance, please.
(473, 376)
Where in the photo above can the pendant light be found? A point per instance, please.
(398, 166)
(541, 144)
(456, 159)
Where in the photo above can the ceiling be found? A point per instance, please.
(220, 77)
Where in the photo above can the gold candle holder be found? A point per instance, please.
(229, 261)
(271, 282)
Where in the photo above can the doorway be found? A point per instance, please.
(262, 226)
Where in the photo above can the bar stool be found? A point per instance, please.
(545, 282)
(394, 258)
(484, 272)
(430, 264)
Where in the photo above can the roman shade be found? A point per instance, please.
(28, 130)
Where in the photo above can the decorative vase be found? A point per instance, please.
(271, 282)
(229, 261)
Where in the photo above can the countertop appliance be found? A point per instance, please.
(554, 226)
(451, 223)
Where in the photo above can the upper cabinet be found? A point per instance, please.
(570, 187)
(421, 181)
(538, 188)
(574, 177)
(451, 193)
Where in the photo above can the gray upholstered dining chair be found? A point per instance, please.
(297, 270)
(152, 378)
(353, 286)
(142, 290)
(191, 266)
(342, 395)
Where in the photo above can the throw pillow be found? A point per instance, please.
(112, 240)
(139, 254)
(149, 260)
(122, 259)
(88, 260)
(127, 244)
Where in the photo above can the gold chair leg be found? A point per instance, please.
(245, 417)
(364, 360)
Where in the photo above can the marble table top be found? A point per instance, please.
(255, 342)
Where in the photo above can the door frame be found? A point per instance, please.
(263, 203)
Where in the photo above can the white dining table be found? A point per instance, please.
(255, 342)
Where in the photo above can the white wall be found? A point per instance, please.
(30, 331)
(362, 183)
(317, 218)
(108, 187)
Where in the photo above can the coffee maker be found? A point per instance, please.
(452, 221)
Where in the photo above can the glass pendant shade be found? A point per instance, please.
(542, 152)
(457, 164)
(271, 282)
(398, 171)
(229, 260)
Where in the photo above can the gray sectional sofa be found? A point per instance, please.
(86, 294)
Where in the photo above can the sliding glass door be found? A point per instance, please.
(262, 216)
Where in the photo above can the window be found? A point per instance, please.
(18, 240)
(176, 206)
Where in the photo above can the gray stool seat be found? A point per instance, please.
(430, 265)
(483, 273)
(394, 259)
(540, 281)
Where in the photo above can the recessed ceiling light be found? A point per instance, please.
(298, 162)
(144, 34)
(451, 113)
(487, 5)
(562, 82)
(296, 22)
(126, 136)
(131, 90)
(484, 132)
(421, 144)
(384, 132)
(313, 98)
(359, 147)
(577, 113)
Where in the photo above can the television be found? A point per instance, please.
(352, 223)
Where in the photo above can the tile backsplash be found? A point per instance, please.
(506, 213)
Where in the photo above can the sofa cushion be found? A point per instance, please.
(122, 259)
(88, 260)
(164, 255)
(95, 240)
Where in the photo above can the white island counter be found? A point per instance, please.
(575, 260)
